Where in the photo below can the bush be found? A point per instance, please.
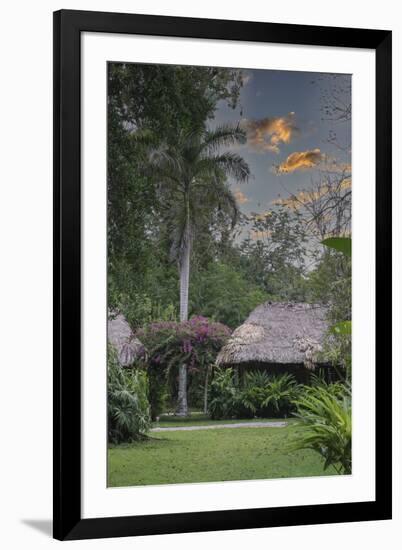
(335, 388)
(262, 395)
(265, 395)
(128, 406)
(158, 391)
(194, 343)
(326, 412)
(259, 378)
(223, 395)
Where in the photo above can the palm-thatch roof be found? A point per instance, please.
(278, 333)
(122, 338)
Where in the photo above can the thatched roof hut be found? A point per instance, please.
(122, 338)
(278, 334)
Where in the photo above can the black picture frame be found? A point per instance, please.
(68, 26)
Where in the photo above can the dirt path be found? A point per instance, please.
(221, 426)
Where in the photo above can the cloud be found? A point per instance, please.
(308, 160)
(301, 160)
(266, 134)
(240, 197)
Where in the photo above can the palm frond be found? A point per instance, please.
(211, 196)
(227, 203)
(233, 165)
(223, 136)
(164, 159)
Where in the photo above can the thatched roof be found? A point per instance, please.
(280, 333)
(120, 335)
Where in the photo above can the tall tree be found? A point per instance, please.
(274, 253)
(192, 186)
(164, 100)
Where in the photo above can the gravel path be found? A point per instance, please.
(221, 426)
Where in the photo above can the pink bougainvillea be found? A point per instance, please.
(195, 342)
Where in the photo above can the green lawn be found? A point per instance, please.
(212, 455)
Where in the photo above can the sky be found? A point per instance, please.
(287, 132)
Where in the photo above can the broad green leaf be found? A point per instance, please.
(341, 244)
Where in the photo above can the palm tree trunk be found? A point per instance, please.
(185, 276)
(182, 406)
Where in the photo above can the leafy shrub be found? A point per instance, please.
(259, 378)
(281, 394)
(335, 388)
(249, 402)
(158, 391)
(265, 395)
(327, 414)
(194, 343)
(128, 406)
(262, 395)
(223, 394)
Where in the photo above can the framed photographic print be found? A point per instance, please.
(222, 353)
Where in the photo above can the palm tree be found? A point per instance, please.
(192, 186)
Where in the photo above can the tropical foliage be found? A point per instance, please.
(339, 342)
(185, 265)
(154, 156)
(326, 412)
(194, 343)
(326, 409)
(267, 396)
(128, 406)
(141, 277)
(191, 177)
(261, 395)
(223, 393)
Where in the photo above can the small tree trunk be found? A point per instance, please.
(182, 406)
(206, 391)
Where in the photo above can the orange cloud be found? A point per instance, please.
(301, 160)
(267, 134)
(240, 197)
(307, 160)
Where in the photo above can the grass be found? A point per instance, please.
(212, 455)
